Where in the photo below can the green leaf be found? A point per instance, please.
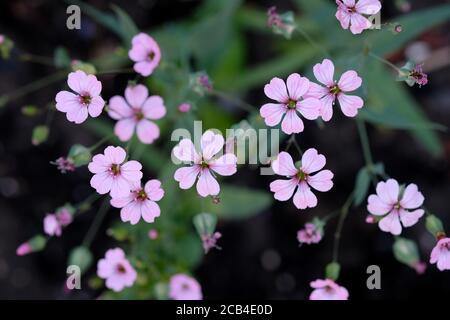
(82, 257)
(406, 251)
(362, 184)
(240, 202)
(128, 28)
(205, 223)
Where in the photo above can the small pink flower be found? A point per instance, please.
(370, 219)
(183, 287)
(441, 254)
(418, 75)
(203, 164)
(24, 249)
(135, 112)
(290, 98)
(145, 53)
(153, 234)
(184, 107)
(420, 267)
(327, 290)
(395, 205)
(311, 162)
(310, 234)
(112, 174)
(64, 164)
(86, 101)
(351, 14)
(116, 269)
(54, 223)
(349, 81)
(140, 202)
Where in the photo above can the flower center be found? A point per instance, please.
(115, 169)
(151, 55)
(121, 269)
(351, 9)
(301, 176)
(139, 115)
(335, 89)
(141, 195)
(85, 99)
(397, 206)
(291, 104)
(204, 164)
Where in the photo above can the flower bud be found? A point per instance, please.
(40, 135)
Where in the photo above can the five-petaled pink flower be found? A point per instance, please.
(140, 202)
(145, 53)
(290, 98)
(441, 254)
(349, 81)
(86, 101)
(112, 174)
(311, 162)
(395, 204)
(350, 13)
(183, 287)
(327, 290)
(135, 112)
(116, 269)
(54, 223)
(310, 234)
(203, 164)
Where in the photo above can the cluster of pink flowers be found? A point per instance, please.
(55, 222)
(350, 13)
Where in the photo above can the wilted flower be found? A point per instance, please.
(310, 234)
(64, 164)
(412, 74)
(283, 24)
(209, 241)
(55, 222)
(183, 287)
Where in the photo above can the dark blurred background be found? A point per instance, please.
(260, 256)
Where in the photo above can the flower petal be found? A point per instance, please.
(124, 129)
(321, 181)
(211, 144)
(185, 151)
(136, 95)
(359, 23)
(102, 182)
(153, 190)
(77, 115)
(324, 72)
(99, 164)
(186, 176)
(272, 113)
(147, 131)
(312, 161)
(154, 108)
(276, 90)
(349, 81)
(327, 107)
(149, 211)
(292, 123)
(283, 165)
(120, 187)
(304, 198)
(119, 108)
(350, 104)
(410, 218)
(207, 184)
(412, 198)
(115, 155)
(131, 170)
(297, 86)
(283, 189)
(377, 206)
(95, 108)
(225, 165)
(76, 80)
(368, 7)
(131, 213)
(388, 191)
(391, 223)
(310, 108)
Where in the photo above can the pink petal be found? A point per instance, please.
(324, 72)
(327, 107)
(95, 108)
(115, 155)
(211, 144)
(321, 181)
(358, 23)
(312, 161)
(292, 123)
(123, 201)
(412, 198)
(207, 184)
(77, 115)
(153, 190)
(91, 86)
(99, 164)
(186, 176)
(185, 151)
(272, 113)
(310, 108)
(124, 129)
(66, 101)
(120, 187)
(304, 198)
(349, 3)
(297, 86)
(76, 80)
(225, 165)
(377, 206)
(388, 191)
(147, 131)
(350, 104)
(410, 218)
(154, 108)
(149, 211)
(144, 68)
(131, 170)
(315, 91)
(391, 223)
(131, 213)
(138, 53)
(284, 165)
(368, 7)
(349, 81)
(136, 95)
(343, 17)
(283, 189)
(276, 90)
(102, 182)
(119, 108)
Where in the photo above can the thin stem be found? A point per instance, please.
(368, 158)
(28, 57)
(96, 223)
(312, 42)
(337, 235)
(100, 142)
(293, 141)
(330, 216)
(106, 72)
(235, 101)
(85, 205)
(386, 62)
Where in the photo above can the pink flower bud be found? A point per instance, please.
(153, 234)
(24, 249)
(184, 107)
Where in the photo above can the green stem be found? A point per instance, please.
(93, 229)
(85, 205)
(312, 42)
(386, 62)
(337, 235)
(293, 141)
(100, 142)
(363, 137)
(237, 102)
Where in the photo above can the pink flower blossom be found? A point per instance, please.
(54, 223)
(291, 100)
(310, 234)
(183, 287)
(86, 101)
(203, 164)
(135, 112)
(145, 53)
(24, 249)
(301, 179)
(116, 269)
(396, 205)
(327, 290)
(112, 174)
(351, 13)
(140, 202)
(184, 107)
(349, 81)
(441, 254)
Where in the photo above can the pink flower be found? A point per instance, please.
(112, 174)
(349, 81)
(140, 202)
(311, 162)
(145, 53)
(54, 223)
(310, 234)
(64, 164)
(289, 98)
(135, 112)
(116, 269)
(441, 254)
(183, 287)
(203, 164)
(418, 75)
(327, 290)
(351, 14)
(86, 101)
(153, 234)
(395, 205)
(24, 249)
(184, 107)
